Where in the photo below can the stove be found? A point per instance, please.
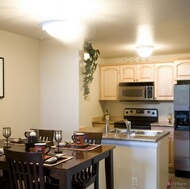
(140, 118)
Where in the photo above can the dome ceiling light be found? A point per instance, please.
(144, 50)
(61, 29)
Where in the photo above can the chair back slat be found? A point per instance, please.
(93, 138)
(46, 135)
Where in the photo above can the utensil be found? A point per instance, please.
(7, 134)
(58, 138)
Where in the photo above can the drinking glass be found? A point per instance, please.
(58, 138)
(7, 134)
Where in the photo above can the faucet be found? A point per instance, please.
(128, 125)
(107, 129)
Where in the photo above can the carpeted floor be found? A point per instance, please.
(178, 182)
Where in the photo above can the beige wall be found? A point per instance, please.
(43, 86)
(90, 107)
(19, 109)
(59, 87)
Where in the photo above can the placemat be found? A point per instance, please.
(61, 160)
(87, 148)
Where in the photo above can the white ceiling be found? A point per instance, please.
(114, 26)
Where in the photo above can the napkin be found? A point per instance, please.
(1, 151)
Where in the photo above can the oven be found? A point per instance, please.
(140, 118)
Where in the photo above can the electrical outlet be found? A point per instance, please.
(134, 181)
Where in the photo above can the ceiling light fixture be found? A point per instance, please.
(62, 29)
(144, 50)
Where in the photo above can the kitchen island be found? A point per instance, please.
(140, 161)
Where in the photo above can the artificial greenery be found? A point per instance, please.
(90, 66)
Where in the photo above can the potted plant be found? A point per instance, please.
(90, 65)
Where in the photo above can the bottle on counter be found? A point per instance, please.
(106, 113)
(107, 129)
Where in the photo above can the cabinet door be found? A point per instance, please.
(128, 73)
(109, 82)
(182, 70)
(137, 73)
(164, 81)
(145, 72)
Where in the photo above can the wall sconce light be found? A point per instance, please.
(144, 50)
(86, 56)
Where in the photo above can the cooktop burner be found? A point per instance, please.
(140, 118)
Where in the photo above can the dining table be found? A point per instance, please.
(80, 159)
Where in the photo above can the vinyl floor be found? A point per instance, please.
(178, 182)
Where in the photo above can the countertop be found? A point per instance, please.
(129, 137)
(162, 124)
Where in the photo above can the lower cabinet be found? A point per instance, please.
(170, 142)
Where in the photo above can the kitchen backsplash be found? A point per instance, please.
(116, 107)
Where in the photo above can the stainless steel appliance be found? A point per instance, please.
(140, 118)
(136, 91)
(182, 130)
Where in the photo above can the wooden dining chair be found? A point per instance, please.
(46, 135)
(26, 170)
(90, 175)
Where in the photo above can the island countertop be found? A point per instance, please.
(124, 137)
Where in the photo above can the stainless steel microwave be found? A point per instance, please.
(136, 91)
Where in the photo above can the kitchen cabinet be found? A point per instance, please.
(137, 73)
(170, 144)
(164, 81)
(109, 81)
(147, 161)
(182, 69)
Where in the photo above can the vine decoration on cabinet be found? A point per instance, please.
(90, 65)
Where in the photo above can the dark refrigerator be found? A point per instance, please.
(182, 130)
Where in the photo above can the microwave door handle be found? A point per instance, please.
(145, 93)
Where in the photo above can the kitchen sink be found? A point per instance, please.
(134, 133)
(146, 133)
(120, 131)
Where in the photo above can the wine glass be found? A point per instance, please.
(58, 138)
(6, 134)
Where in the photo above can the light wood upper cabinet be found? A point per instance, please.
(137, 73)
(182, 70)
(145, 72)
(164, 81)
(128, 73)
(109, 81)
